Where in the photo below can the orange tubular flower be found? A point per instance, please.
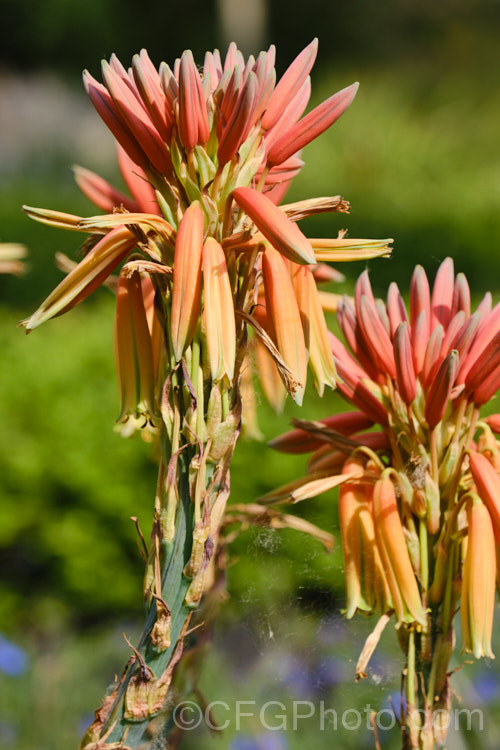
(312, 125)
(283, 234)
(285, 318)
(219, 311)
(366, 584)
(289, 85)
(478, 581)
(186, 287)
(395, 557)
(134, 354)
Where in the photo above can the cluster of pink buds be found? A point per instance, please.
(419, 499)
(206, 157)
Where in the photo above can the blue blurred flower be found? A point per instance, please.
(331, 671)
(267, 741)
(13, 659)
(487, 686)
(297, 675)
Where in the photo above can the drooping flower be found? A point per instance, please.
(478, 581)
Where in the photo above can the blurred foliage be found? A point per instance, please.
(71, 36)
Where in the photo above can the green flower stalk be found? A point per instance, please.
(206, 259)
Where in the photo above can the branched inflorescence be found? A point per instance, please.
(419, 498)
(206, 259)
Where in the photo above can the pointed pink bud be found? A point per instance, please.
(149, 85)
(461, 295)
(230, 85)
(119, 69)
(442, 294)
(420, 301)
(193, 117)
(220, 327)
(363, 287)
(290, 114)
(312, 125)
(233, 58)
(405, 372)
(289, 84)
(440, 389)
(137, 183)
(383, 316)
(395, 307)
(394, 553)
(212, 67)
(419, 340)
(284, 315)
(377, 338)
(133, 114)
(89, 274)
(340, 352)
(300, 441)
(453, 332)
(478, 582)
(170, 88)
(282, 233)
(106, 109)
(100, 192)
(487, 482)
(354, 337)
(358, 394)
(239, 123)
(486, 304)
(487, 362)
(328, 460)
(494, 422)
(266, 79)
(186, 289)
(465, 340)
(487, 389)
(432, 356)
(489, 327)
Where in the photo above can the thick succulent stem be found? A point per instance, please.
(185, 531)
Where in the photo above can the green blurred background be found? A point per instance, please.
(417, 155)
